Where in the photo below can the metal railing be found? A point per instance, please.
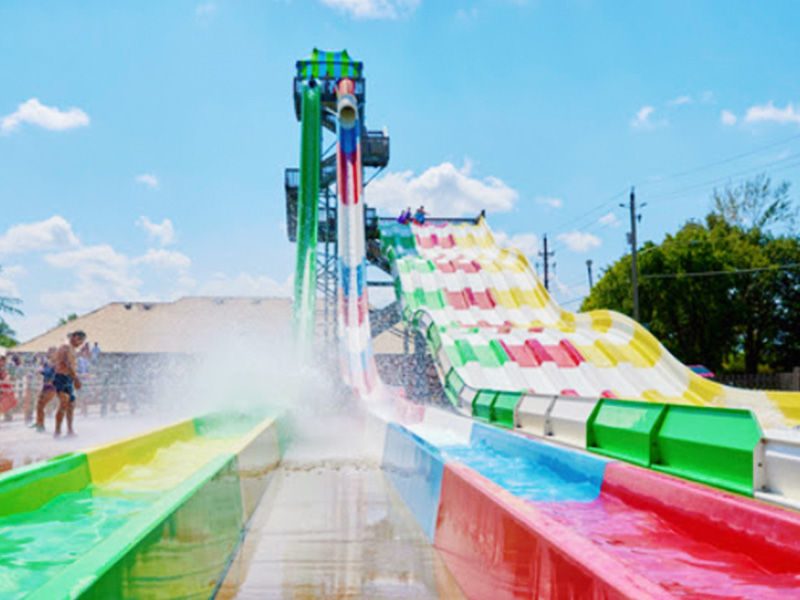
(763, 381)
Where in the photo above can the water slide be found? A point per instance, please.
(305, 275)
(358, 363)
(157, 515)
(510, 493)
(501, 329)
(514, 516)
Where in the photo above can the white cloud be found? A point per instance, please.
(51, 234)
(467, 14)
(148, 179)
(770, 113)
(707, 97)
(205, 9)
(571, 294)
(374, 9)
(527, 243)
(609, 220)
(8, 287)
(31, 325)
(48, 117)
(94, 275)
(246, 284)
(14, 270)
(680, 101)
(101, 275)
(102, 255)
(444, 190)
(643, 119)
(727, 118)
(163, 233)
(164, 259)
(550, 201)
(579, 241)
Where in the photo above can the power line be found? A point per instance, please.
(792, 162)
(573, 221)
(786, 267)
(571, 301)
(723, 161)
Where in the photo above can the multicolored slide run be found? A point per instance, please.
(154, 516)
(508, 354)
(501, 330)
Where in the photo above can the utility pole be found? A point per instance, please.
(635, 218)
(546, 256)
(589, 270)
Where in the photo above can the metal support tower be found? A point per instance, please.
(327, 261)
(326, 69)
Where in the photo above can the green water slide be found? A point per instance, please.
(305, 279)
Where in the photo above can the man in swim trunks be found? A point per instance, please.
(48, 389)
(66, 380)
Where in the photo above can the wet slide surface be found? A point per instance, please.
(121, 520)
(672, 538)
(335, 531)
(34, 546)
(331, 525)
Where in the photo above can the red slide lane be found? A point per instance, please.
(500, 547)
(693, 541)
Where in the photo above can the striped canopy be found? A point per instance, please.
(333, 65)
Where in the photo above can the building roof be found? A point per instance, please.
(185, 325)
(178, 326)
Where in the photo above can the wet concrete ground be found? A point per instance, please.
(331, 526)
(20, 445)
(335, 529)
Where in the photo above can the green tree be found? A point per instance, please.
(756, 204)
(69, 318)
(720, 288)
(746, 217)
(784, 348)
(691, 316)
(8, 306)
(7, 335)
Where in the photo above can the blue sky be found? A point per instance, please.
(142, 144)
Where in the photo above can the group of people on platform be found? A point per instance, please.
(417, 217)
(62, 370)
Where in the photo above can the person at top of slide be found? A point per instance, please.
(405, 216)
(419, 216)
(48, 389)
(66, 380)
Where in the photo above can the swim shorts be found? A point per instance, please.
(64, 385)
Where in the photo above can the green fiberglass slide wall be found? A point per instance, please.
(305, 280)
(157, 515)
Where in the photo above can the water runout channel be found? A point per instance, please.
(335, 530)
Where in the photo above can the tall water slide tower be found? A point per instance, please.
(324, 70)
